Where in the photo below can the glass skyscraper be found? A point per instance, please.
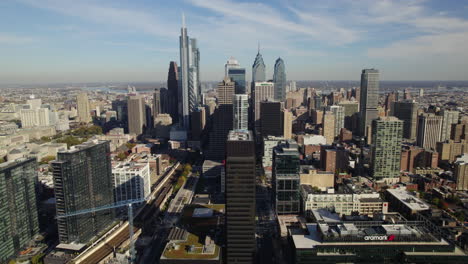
(369, 98)
(279, 78)
(237, 75)
(258, 69)
(18, 206)
(83, 180)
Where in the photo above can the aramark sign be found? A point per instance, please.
(380, 238)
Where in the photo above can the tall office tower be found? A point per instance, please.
(350, 109)
(390, 99)
(82, 103)
(407, 111)
(237, 75)
(258, 69)
(18, 207)
(241, 111)
(157, 109)
(461, 173)
(132, 181)
(222, 120)
(83, 180)
(263, 91)
(387, 134)
(328, 123)
(318, 102)
(198, 118)
(369, 98)
(271, 116)
(189, 86)
(287, 124)
(429, 127)
(286, 177)
(34, 103)
(136, 114)
(279, 78)
(338, 111)
(231, 63)
(449, 118)
(173, 98)
(240, 197)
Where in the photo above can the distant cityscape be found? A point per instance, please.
(238, 170)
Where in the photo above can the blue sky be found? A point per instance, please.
(134, 40)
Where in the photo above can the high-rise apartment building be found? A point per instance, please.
(241, 111)
(189, 77)
(387, 134)
(136, 114)
(338, 112)
(263, 91)
(131, 181)
(286, 178)
(173, 98)
(240, 197)
(328, 126)
(407, 111)
(449, 118)
(369, 100)
(18, 206)
(83, 180)
(287, 119)
(83, 108)
(279, 78)
(429, 127)
(461, 173)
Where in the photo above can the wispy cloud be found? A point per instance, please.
(10, 39)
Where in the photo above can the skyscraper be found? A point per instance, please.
(449, 118)
(369, 94)
(82, 104)
(338, 111)
(157, 109)
(198, 118)
(173, 98)
(461, 173)
(222, 120)
(238, 76)
(83, 180)
(328, 126)
(231, 63)
(279, 78)
(387, 134)
(136, 114)
(189, 86)
(263, 91)
(407, 111)
(241, 111)
(429, 127)
(18, 206)
(271, 116)
(240, 197)
(258, 69)
(286, 177)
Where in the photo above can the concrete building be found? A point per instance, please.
(211, 169)
(83, 108)
(287, 119)
(334, 158)
(18, 207)
(271, 116)
(269, 143)
(387, 135)
(131, 181)
(263, 91)
(448, 119)
(162, 125)
(240, 197)
(369, 98)
(429, 130)
(416, 157)
(321, 179)
(136, 114)
(328, 130)
(338, 112)
(407, 111)
(405, 202)
(286, 177)
(198, 123)
(83, 180)
(461, 172)
(450, 150)
(241, 111)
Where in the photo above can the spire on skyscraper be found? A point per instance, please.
(183, 19)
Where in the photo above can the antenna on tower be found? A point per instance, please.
(259, 47)
(183, 19)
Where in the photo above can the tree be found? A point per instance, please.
(121, 156)
(46, 159)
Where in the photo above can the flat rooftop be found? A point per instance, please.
(240, 135)
(409, 199)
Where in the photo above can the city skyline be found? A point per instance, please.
(86, 41)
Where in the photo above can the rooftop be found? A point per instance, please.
(240, 135)
(409, 199)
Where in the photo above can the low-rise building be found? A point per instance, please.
(404, 202)
(316, 178)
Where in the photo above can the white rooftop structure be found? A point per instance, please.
(409, 199)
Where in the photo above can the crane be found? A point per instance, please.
(127, 203)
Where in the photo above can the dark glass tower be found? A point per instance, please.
(279, 78)
(172, 92)
(286, 177)
(18, 209)
(83, 180)
(369, 98)
(237, 75)
(240, 197)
